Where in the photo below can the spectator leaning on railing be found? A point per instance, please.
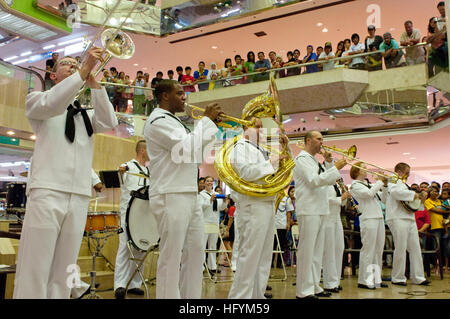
(357, 48)
(391, 53)
(328, 54)
(200, 76)
(411, 37)
(262, 65)
(310, 57)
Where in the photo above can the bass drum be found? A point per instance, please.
(140, 223)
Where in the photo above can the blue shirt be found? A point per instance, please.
(393, 45)
(202, 86)
(262, 64)
(311, 68)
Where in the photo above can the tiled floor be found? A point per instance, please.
(439, 289)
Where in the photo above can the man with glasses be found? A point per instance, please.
(60, 178)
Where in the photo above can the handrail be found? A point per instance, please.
(25, 70)
(234, 77)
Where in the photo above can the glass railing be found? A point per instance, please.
(34, 79)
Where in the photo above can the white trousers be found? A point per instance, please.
(235, 252)
(371, 254)
(49, 245)
(211, 240)
(406, 238)
(125, 267)
(309, 254)
(180, 225)
(256, 230)
(332, 253)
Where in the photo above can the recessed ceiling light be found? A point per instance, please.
(319, 24)
(324, 30)
(71, 41)
(11, 58)
(10, 133)
(26, 53)
(19, 61)
(412, 158)
(48, 47)
(136, 64)
(213, 47)
(406, 153)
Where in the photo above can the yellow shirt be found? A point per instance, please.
(436, 218)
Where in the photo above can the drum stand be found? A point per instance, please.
(139, 262)
(96, 253)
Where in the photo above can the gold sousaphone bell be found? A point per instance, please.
(264, 106)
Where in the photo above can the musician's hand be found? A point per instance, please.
(417, 196)
(340, 164)
(275, 159)
(213, 111)
(92, 83)
(346, 195)
(98, 187)
(123, 169)
(284, 140)
(213, 197)
(326, 155)
(92, 57)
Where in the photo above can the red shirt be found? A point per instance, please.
(186, 78)
(422, 217)
(231, 211)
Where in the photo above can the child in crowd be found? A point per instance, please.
(188, 79)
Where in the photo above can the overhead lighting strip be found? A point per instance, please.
(23, 27)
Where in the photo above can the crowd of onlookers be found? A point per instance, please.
(392, 52)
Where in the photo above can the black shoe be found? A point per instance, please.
(268, 295)
(365, 287)
(312, 297)
(323, 294)
(88, 291)
(268, 288)
(425, 283)
(340, 287)
(120, 293)
(383, 285)
(136, 291)
(336, 290)
(400, 283)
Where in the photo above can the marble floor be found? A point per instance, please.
(439, 289)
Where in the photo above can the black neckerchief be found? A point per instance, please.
(70, 122)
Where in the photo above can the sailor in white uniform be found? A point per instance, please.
(175, 153)
(311, 194)
(60, 181)
(403, 226)
(256, 218)
(211, 207)
(372, 227)
(334, 240)
(125, 267)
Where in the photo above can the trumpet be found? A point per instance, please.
(349, 153)
(194, 108)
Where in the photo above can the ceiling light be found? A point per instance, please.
(319, 24)
(287, 121)
(20, 61)
(412, 158)
(74, 48)
(11, 58)
(10, 133)
(71, 41)
(324, 30)
(136, 64)
(60, 50)
(24, 28)
(406, 153)
(213, 47)
(26, 53)
(49, 47)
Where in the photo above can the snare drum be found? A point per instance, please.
(141, 225)
(102, 222)
(15, 197)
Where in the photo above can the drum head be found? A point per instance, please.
(141, 225)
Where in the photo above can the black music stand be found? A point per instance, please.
(111, 179)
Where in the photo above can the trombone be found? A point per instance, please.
(194, 108)
(350, 154)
